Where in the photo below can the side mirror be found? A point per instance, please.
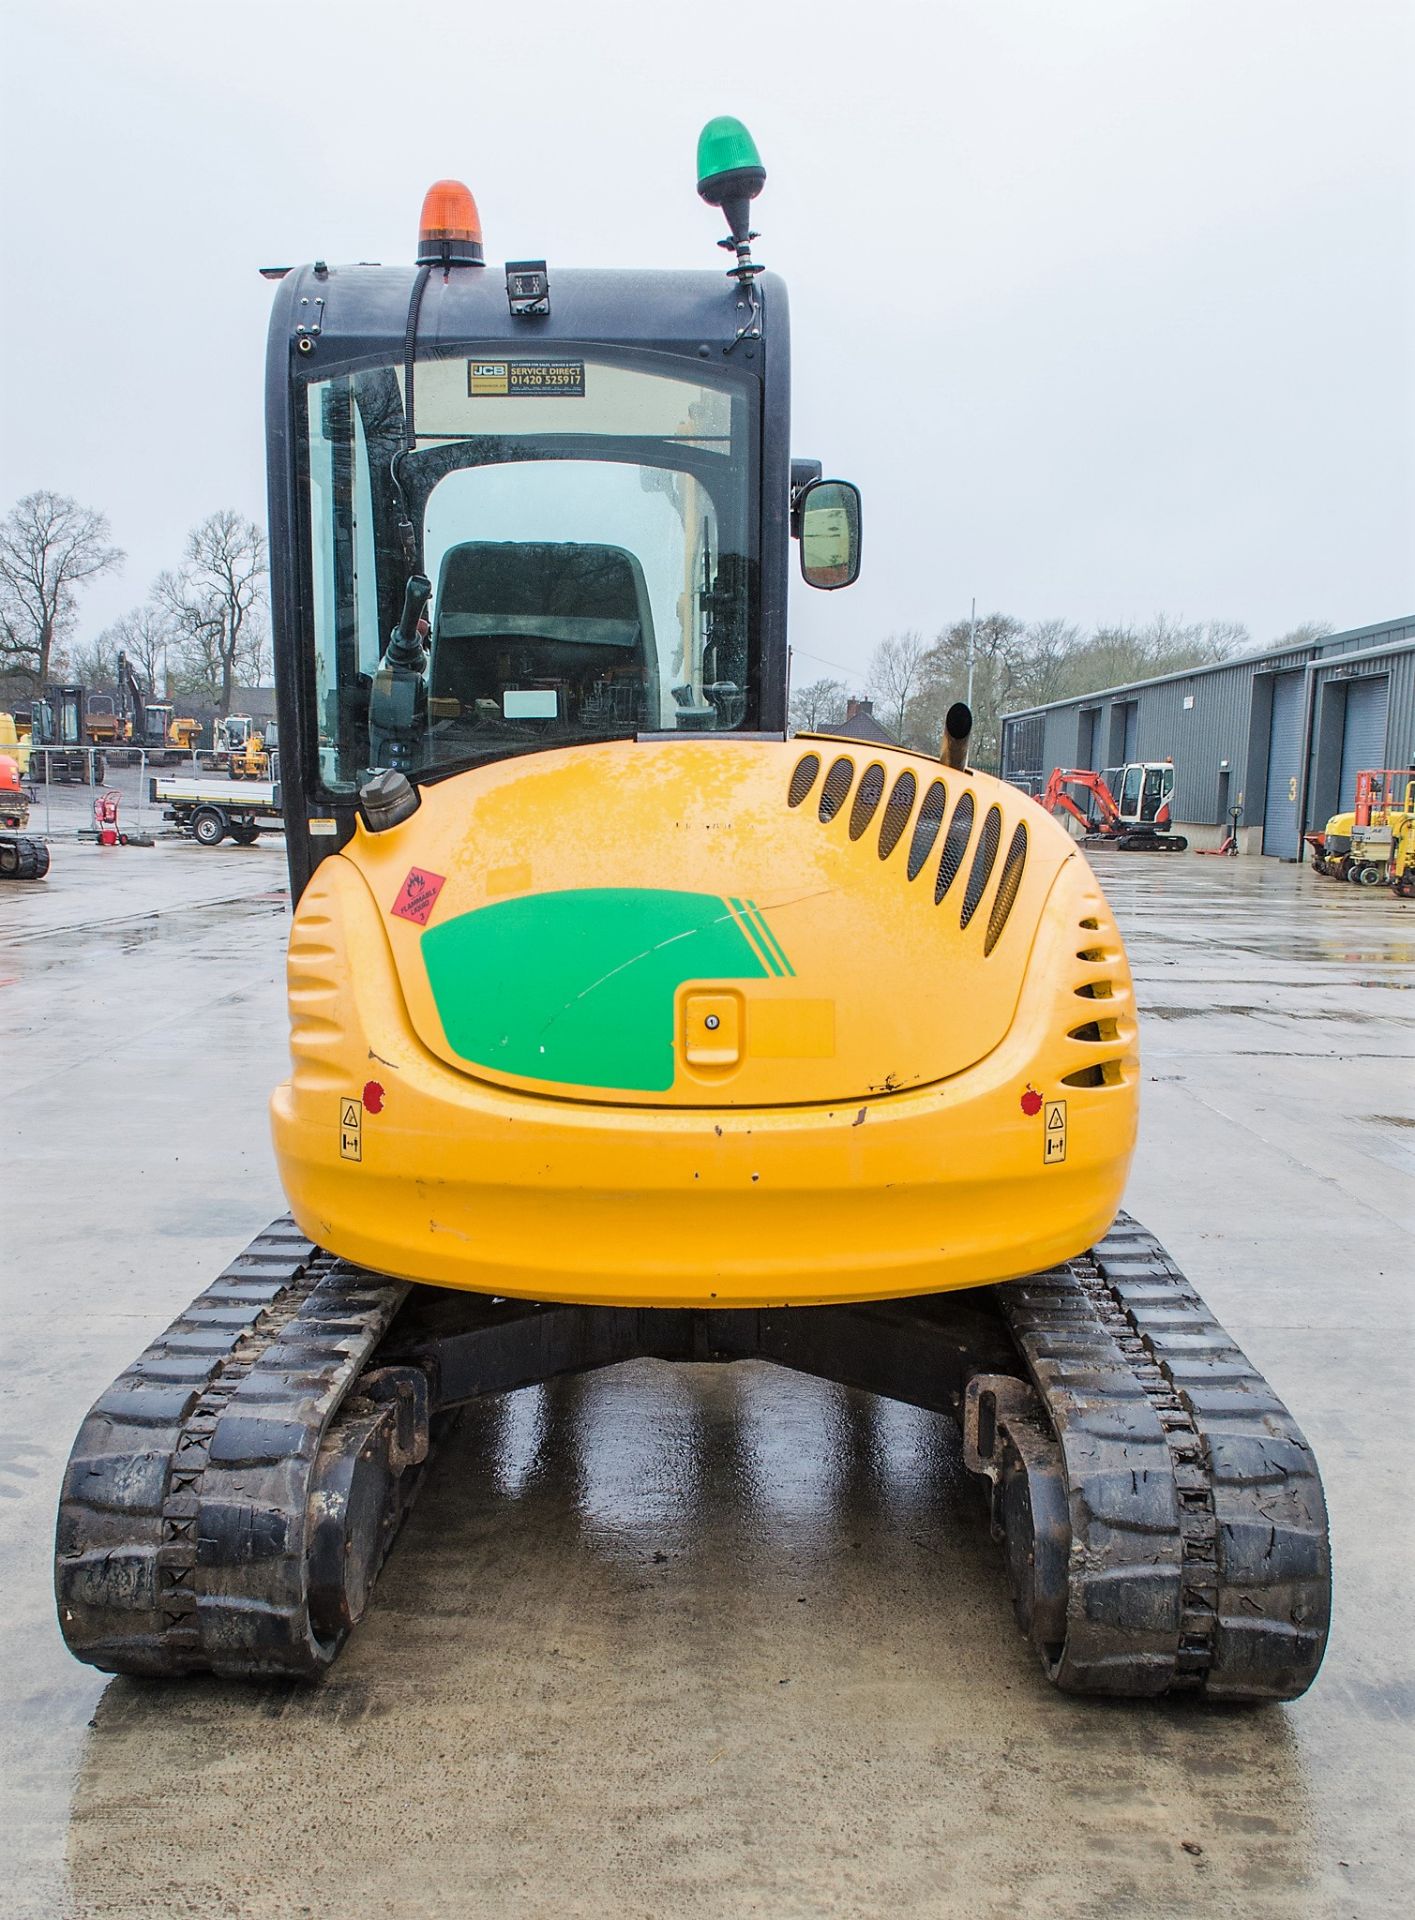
(829, 517)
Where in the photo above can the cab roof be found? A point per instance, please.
(360, 313)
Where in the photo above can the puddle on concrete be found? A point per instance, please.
(1331, 1016)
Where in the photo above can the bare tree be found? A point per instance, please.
(1113, 656)
(145, 635)
(821, 704)
(215, 602)
(1000, 673)
(1049, 647)
(1306, 634)
(92, 663)
(50, 547)
(893, 678)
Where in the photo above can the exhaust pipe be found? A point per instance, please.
(957, 726)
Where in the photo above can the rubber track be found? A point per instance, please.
(158, 1569)
(23, 858)
(1200, 1559)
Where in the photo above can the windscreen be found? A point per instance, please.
(585, 526)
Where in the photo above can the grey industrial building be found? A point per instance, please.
(1279, 735)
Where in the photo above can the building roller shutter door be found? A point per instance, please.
(1363, 739)
(1284, 782)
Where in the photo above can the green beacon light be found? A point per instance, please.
(730, 176)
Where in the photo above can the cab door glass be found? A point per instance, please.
(1158, 781)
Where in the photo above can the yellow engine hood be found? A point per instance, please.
(713, 923)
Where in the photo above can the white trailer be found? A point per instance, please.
(213, 810)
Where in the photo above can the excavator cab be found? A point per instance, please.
(58, 727)
(1143, 791)
(624, 1025)
(157, 724)
(562, 532)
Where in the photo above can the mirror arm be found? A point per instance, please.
(803, 472)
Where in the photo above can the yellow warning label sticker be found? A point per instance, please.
(1054, 1133)
(351, 1124)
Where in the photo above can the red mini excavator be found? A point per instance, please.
(1137, 822)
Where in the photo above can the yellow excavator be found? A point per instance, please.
(622, 1024)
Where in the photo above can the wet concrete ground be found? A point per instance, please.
(684, 1641)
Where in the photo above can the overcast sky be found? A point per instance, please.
(1105, 304)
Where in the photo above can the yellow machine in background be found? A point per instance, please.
(14, 742)
(22, 857)
(238, 749)
(1373, 843)
(249, 759)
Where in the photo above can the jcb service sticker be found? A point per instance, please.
(555, 379)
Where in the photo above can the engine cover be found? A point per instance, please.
(708, 1022)
(699, 923)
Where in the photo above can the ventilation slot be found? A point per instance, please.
(1006, 896)
(1105, 1073)
(897, 809)
(1097, 1032)
(803, 779)
(926, 827)
(1096, 990)
(837, 785)
(866, 800)
(988, 842)
(954, 846)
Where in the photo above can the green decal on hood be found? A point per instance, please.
(579, 986)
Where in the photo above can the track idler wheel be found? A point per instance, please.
(363, 1483)
(1007, 1440)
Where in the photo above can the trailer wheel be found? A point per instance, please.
(209, 826)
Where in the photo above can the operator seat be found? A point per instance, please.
(517, 614)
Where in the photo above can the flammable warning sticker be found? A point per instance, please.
(418, 895)
(559, 379)
(1054, 1135)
